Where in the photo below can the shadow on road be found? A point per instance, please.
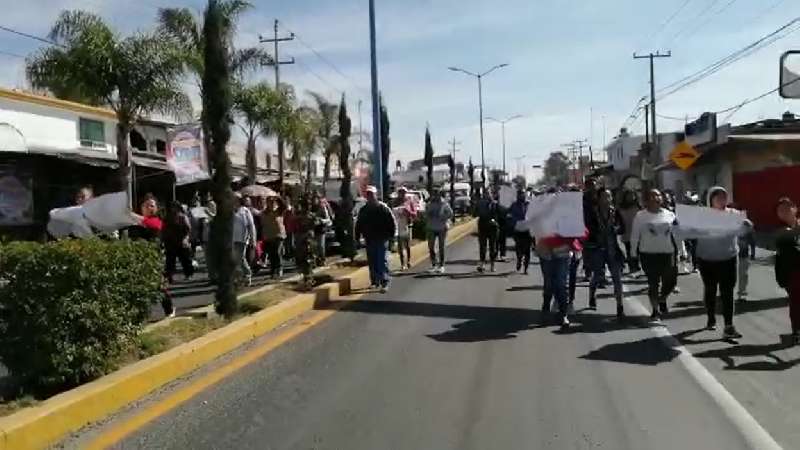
(775, 362)
(649, 352)
(535, 287)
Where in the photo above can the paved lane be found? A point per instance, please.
(454, 362)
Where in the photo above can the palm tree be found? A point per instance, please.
(327, 118)
(134, 76)
(386, 146)
(262, 112)
(217, 105)
(303, 138)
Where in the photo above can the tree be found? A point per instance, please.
(556, 168)
(386, 145)
(429, 158)
(217, 104)
(262, 112)
(303, 138)
(187, 32)
(327, 121)
(344, 220)
(134, 76)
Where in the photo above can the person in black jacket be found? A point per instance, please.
(377, 225)
(787, 260)
(605, 225)
(488, 212)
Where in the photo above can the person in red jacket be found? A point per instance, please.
(554, 254)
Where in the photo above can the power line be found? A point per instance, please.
(710, 18)
(318, 76)
(669, 20)
(30, 36)
(705, 11)
(744, 52)
(322, 58)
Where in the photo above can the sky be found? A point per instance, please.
(571, 70)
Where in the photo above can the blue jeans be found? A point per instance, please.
(574, 262)
(378, 263)
(555, 272)
(600, 259)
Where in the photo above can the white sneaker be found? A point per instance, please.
(173, 313)
(384, 289)
(433, 269)
(491, 267)
(441, 269)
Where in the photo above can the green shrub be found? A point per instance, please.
(69, 309)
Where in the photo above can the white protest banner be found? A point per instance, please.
(557, 214)
(186, 154)
(105, 213)
(506, 196)
(701, 221)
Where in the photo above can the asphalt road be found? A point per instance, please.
(455, 362)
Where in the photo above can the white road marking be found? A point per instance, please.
(752, 431)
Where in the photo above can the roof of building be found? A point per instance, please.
(27, 97)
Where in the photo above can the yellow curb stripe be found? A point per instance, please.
(119, 432)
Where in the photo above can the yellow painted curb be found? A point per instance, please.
(43, 425)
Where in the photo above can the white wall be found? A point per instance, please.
(620, 150)
(47, 128)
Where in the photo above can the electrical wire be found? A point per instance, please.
(15, 55)
(710, 18)
(761, 43)
(669, 20)
(705, 11)
(30, 36)
(318, 76)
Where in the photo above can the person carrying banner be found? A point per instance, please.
(716, 259)
(655, 241)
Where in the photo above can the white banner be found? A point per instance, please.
(105, 214)
(701, 221)
(556, 214)
(506, 196)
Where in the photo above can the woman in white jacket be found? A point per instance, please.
(655, 239)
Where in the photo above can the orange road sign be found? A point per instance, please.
(684, 155)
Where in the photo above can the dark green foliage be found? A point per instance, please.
(386, 148)
(429, 159)
(217, 104)
(69, 309)
(344, 218)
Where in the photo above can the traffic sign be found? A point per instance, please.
(684, 155)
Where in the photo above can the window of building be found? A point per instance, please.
(137, 141)
(161, 147)
(92, 133)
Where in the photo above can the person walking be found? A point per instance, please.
(376, 224)
(176, 236)
(487, 211)
(405, 213)
(589, 203)
(555, 253)
(716, 259)
(522, 236)
(787, 260)
(502, 229)
(605, 226)
(244, 235)
(628, 208)
(438, 215)
(273, 232)
(655, 241)
(323, 222)
(747, 253)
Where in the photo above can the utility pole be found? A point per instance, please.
(360, 129)
(651, 57)
(376, 109)
(454, 143)
(276, 63)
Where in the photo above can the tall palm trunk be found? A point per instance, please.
(250, 158)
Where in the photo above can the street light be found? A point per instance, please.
(503, 127)
(480, 76)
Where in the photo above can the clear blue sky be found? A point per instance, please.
(564, 61)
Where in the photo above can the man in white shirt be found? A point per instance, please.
(244, 234)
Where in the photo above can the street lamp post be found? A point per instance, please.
(479, 77)
(503, 132)
(376, 121)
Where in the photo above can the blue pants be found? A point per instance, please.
(555, 272)
(600, 259)
(378, 263)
